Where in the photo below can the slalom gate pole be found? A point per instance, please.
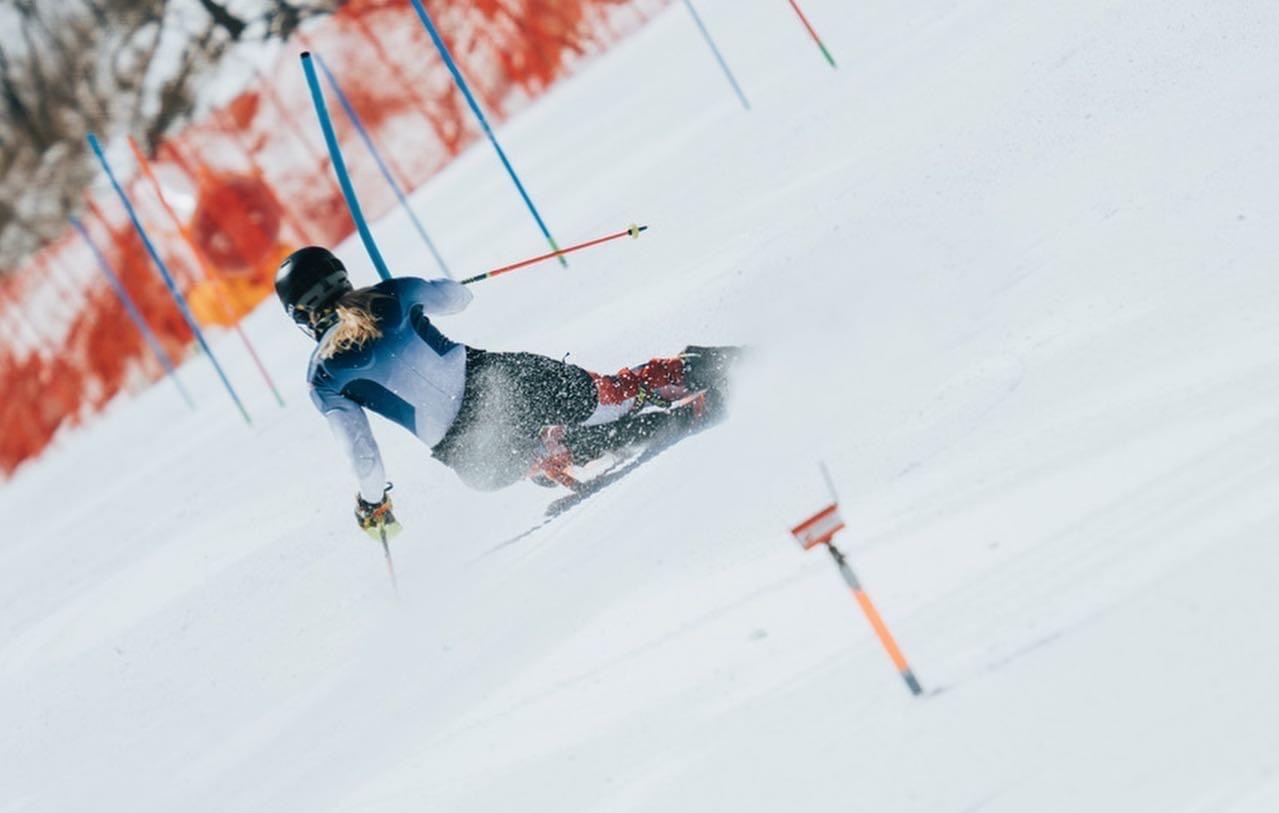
(168, 278)
(484, 124)
(339, 168)
(632, 231)
(381, 165)
(132, 310)
(876, 622)
(820, 529)
(209, 274)
(813, 33)
(732, 80)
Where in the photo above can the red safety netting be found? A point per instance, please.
(246, 183)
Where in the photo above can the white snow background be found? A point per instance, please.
(1010, 271)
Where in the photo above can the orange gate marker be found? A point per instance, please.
(820, 529)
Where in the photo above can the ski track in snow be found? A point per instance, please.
(1010, 272)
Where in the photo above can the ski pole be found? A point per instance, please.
(632, 231)
(390, 566)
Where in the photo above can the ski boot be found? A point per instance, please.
(708, 368)
(553, 462)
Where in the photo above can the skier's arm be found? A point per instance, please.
(351, 428)
(438, 296)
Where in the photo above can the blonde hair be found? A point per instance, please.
(356, 325)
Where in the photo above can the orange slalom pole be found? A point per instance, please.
(876, 622)
(632, 231)
(208, 273)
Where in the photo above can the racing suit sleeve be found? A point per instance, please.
(437, 296)
(351, 428)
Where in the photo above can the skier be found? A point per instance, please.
(494, 418)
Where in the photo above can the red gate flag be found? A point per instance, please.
(819, 528)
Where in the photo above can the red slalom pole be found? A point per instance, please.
(632, 231)
(813, 34)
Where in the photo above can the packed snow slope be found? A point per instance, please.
(1010, 271)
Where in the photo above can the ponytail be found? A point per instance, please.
(356, 325)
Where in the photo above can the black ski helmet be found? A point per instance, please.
(309, 281)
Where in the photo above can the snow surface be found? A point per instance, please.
(1011, 273)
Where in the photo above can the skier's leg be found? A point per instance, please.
(476, 446)
(509, 399)
(543, 401)
(548, 392)
(545, 391)
(586, 443)
(703, 371)
(707, 368)
(656, 381)
(662, 380)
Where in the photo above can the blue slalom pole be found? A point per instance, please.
(381, 165)
(132, 310)
(479, 114)
(718, 56)
(339, 168)
(164, 272)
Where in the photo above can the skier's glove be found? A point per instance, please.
(375, 518)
